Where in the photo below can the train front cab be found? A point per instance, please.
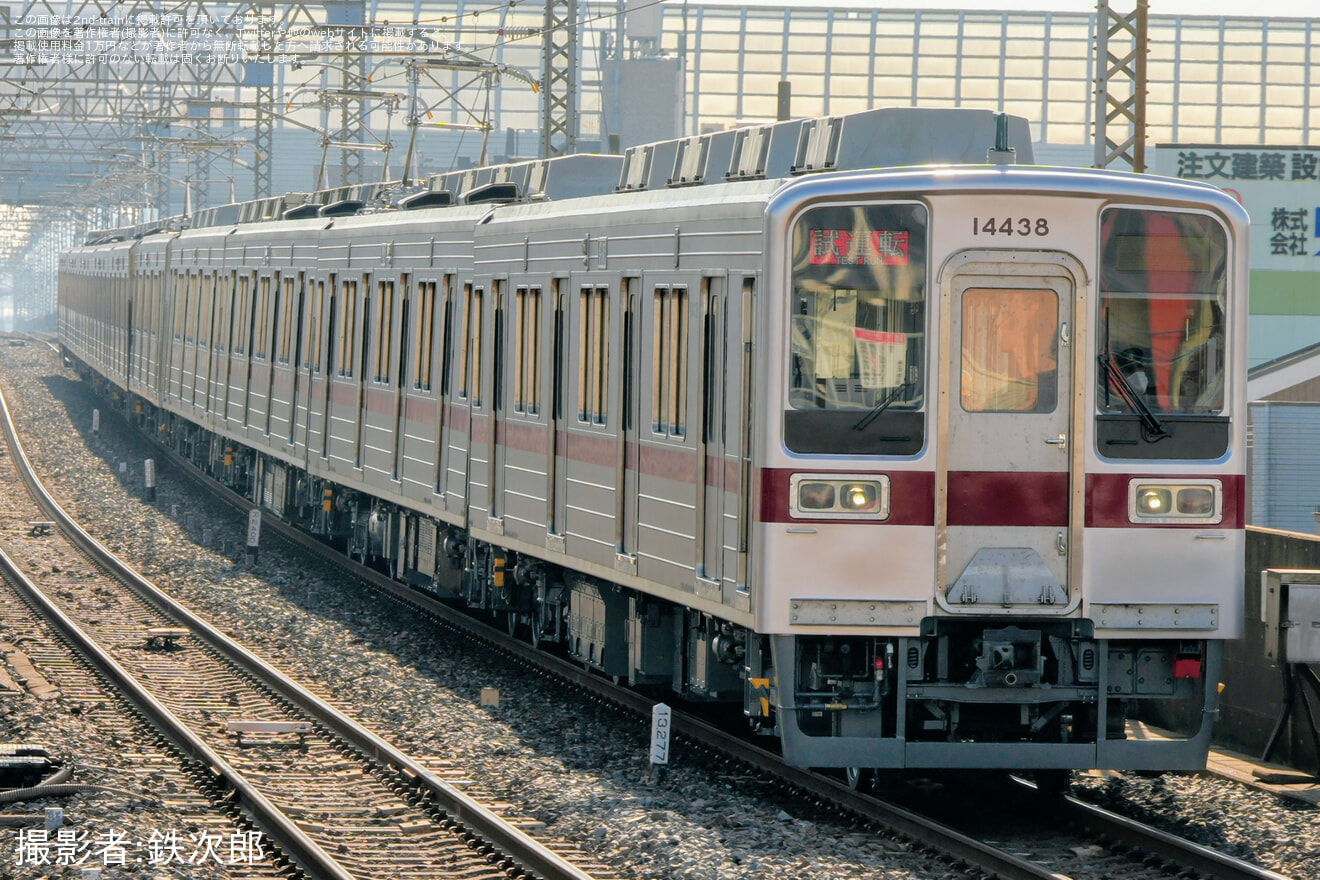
(1004, 512)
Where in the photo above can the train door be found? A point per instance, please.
(314, 355)
(629, 453)
(710, 441)
(213, 339)
(363, 380)
(129, 347)
(251, 323)
(498, 454)
(177, 313)
(557, 478)
(409, 351)
(297, 362)
(443, 423)
(1009, 487)
(205, 341)
(736, 432)
(333, 318)
(467, 391)
(377, 402)
(278, 321)
(199, 313)
(233, 336)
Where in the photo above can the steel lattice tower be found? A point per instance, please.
(559, 78)
(1120, 113)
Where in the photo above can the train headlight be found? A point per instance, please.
(1154, 501)
(859, 496)
(839, 496)
(1188, 502)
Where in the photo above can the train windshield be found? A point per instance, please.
(857, 330)
(1163, 288)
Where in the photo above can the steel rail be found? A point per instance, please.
(278, 827)
(1202, 859)
(510, 840)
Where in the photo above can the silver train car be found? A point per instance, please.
(922, 458)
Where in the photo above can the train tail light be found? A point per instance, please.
(1187, 667)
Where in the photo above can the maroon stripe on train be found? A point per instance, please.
(480, 432)
(421, 409)
(456, 418)
(342, 395)
(911, 497)
(601, 450)
(1107, 499)
(1008, 498)
(525, 436)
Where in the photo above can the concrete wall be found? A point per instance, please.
(1253, 694)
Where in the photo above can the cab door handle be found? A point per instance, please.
(1060, 441)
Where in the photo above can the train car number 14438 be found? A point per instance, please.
(1010, 226)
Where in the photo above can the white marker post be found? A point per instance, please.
(254, 534)
(96, 421)
(660, 726)
(149, 478)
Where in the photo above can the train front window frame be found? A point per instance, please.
(858, 312)
(1163, 319)
(1162, 308)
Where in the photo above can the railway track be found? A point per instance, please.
(338, 801)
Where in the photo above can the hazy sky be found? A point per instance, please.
(1268, 8)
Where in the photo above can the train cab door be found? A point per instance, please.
(1009, 484)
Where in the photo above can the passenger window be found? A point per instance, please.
(669, 345)
(593, 353)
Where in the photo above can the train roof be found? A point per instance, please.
(883, 137)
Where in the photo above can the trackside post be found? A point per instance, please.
(661, 718)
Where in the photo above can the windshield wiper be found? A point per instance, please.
(1152, 428)
(880, 407)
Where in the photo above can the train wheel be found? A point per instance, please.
(860, 778)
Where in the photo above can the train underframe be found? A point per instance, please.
(1003, 693)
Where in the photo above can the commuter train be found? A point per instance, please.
(922, 456)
